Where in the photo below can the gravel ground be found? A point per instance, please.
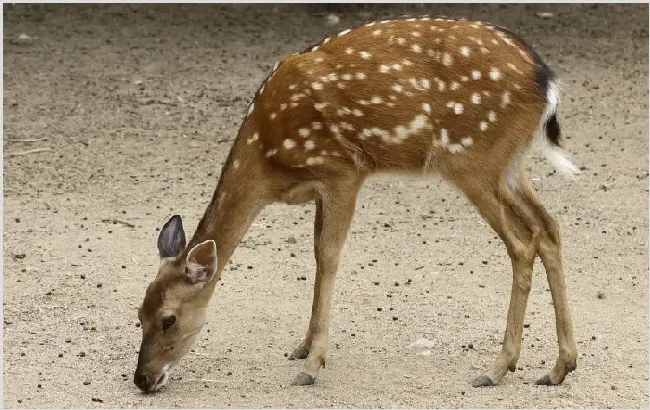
(139, 105)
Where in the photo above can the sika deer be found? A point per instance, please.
(460, 98)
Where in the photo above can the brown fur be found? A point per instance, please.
(272, 161)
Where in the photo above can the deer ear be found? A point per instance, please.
(201, 263)
(171, 240)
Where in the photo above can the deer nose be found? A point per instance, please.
(141, 380)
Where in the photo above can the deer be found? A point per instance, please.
(459, 99)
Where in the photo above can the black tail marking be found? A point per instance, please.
(552, 127)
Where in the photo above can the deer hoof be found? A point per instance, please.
(483, 381)
(299, 353)
(548, 381)
(303, 379)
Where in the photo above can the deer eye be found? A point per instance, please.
(168, 321)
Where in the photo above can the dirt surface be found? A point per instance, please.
(139, 105)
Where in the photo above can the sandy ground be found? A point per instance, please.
(139, 106)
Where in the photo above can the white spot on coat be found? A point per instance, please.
(365, 55)
(454, 148)
(315, 160)
(444, 137)
(476, 74)
(458, 108)
(464, 51)
(505, 98)
(466, 142)
(317, 125)
(384, 68)
(252, 139)
(492, 116)
(289, 143)
(271, 152)
(476, 98)
(304, 132)
(317, 86)
(416, 48)
(483, 125)
(309, 145)
(427, 108)
(495, 74)
(446, 59)
(360, 76)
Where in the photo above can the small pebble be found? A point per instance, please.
(99, 285)
(593, 337)
(83, 276)
(601, 295)
(395, 317)
(229, 374)
(86, 382)
(60, 354)
(613, 387)
(82, 354)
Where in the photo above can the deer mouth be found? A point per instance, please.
(162, 380)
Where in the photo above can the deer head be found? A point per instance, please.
(173, 311)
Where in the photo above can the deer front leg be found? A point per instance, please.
(302, 351)
(336, 211)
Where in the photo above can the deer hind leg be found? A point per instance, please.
(518, 229)
(550, 252)
(337, 204)
(302, 351)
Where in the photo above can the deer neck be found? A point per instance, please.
(230, 213)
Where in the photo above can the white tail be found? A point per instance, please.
(460, 98)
